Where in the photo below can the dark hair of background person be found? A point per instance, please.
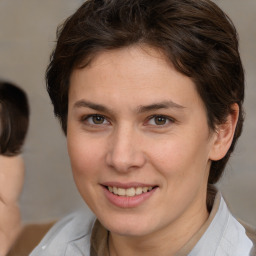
(14, 118)
(196, 36)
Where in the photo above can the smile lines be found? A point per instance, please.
(130, 191)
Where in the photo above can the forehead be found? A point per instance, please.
(142, 73)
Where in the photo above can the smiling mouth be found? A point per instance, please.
(129, 192)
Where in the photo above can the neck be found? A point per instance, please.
(165, 242)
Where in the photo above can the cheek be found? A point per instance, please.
(84, 156)
(181, 157)
(184, 168)
(86, 167)
(171, 154)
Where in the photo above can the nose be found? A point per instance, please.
(125, 150)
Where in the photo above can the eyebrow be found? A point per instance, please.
(161, 105)
(88, 104)
(140, 109)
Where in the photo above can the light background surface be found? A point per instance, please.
(27, 36)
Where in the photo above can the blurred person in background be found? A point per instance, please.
(14, 121)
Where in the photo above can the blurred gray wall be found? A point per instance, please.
(27, 35)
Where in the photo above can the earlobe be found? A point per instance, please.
(224, 134)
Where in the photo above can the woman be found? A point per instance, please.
(150, 96)
(14, 115)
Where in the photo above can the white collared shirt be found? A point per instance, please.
(222, 235)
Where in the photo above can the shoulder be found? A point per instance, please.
(66, 235)
(234, 240)
(251, 233)
(224, 235)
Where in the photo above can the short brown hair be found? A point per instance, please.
(14, 118)
(196, 36)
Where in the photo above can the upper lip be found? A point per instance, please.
(127, 185)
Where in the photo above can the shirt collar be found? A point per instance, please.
(188, 247)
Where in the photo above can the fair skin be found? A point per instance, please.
(11, 183)
(134, 124)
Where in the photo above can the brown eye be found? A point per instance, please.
(98, 119)
(160, 120)
(95, 120)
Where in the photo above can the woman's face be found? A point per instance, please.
(138, 141)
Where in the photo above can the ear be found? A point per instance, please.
(223, 136)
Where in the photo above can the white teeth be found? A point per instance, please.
(130, 191)
(145, 189)
(121, 191)
(115, 190)
(138, 191)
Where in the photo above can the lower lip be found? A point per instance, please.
(128, 201)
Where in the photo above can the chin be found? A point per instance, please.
(126, 227)
(128, 231)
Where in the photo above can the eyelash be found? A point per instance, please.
(167, 119)
(85, 119)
